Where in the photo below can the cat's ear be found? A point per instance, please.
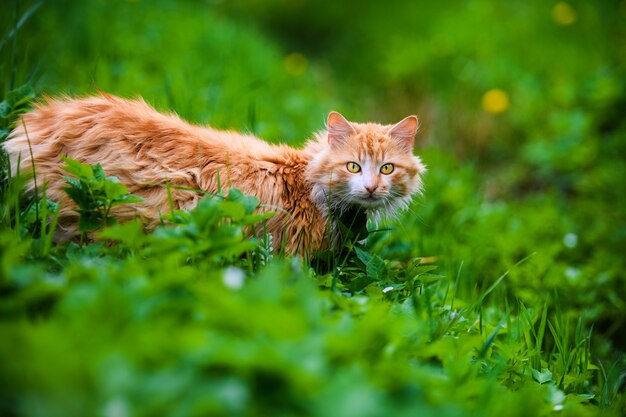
(405, 131)
(338, 127)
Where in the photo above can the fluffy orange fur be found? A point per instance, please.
(145, 148)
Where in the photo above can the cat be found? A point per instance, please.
(350, 169)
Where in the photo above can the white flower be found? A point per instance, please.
(572, 273)
(233, 278)
(570, 240)
(387, 289)
(116, 407)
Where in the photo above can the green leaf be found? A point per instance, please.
(77, 195)
(98, 172)
(376, 267)
(542, 377)
(126, 199)
(374, 264)
(75, 183)
(5, 109)
(255, 218)
(233, 210)
(113, 190)
(250, 203)
(76, 168)
(89, 221)
(423, 269)
(20, 95)
(363, 255)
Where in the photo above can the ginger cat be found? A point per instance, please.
(369, 167)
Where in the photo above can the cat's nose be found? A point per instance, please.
(371, 188)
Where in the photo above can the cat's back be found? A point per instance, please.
(81, 127)
(103, 128)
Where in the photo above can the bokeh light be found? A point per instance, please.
(495, 101)
(296, 63)
(564, 14)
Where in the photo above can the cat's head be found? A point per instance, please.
(367, 164)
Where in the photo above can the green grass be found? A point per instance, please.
(500, 292)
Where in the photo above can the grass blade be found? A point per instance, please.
(31, 10)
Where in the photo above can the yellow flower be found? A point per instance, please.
(495, 101)
(296, 63)
(564, 14)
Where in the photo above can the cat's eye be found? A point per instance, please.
(353, 167)
(387, 169)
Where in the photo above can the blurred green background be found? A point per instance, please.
(522, 107)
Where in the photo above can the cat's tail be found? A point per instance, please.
(26, 143)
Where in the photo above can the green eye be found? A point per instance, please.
(353, 167)
(387, 169)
